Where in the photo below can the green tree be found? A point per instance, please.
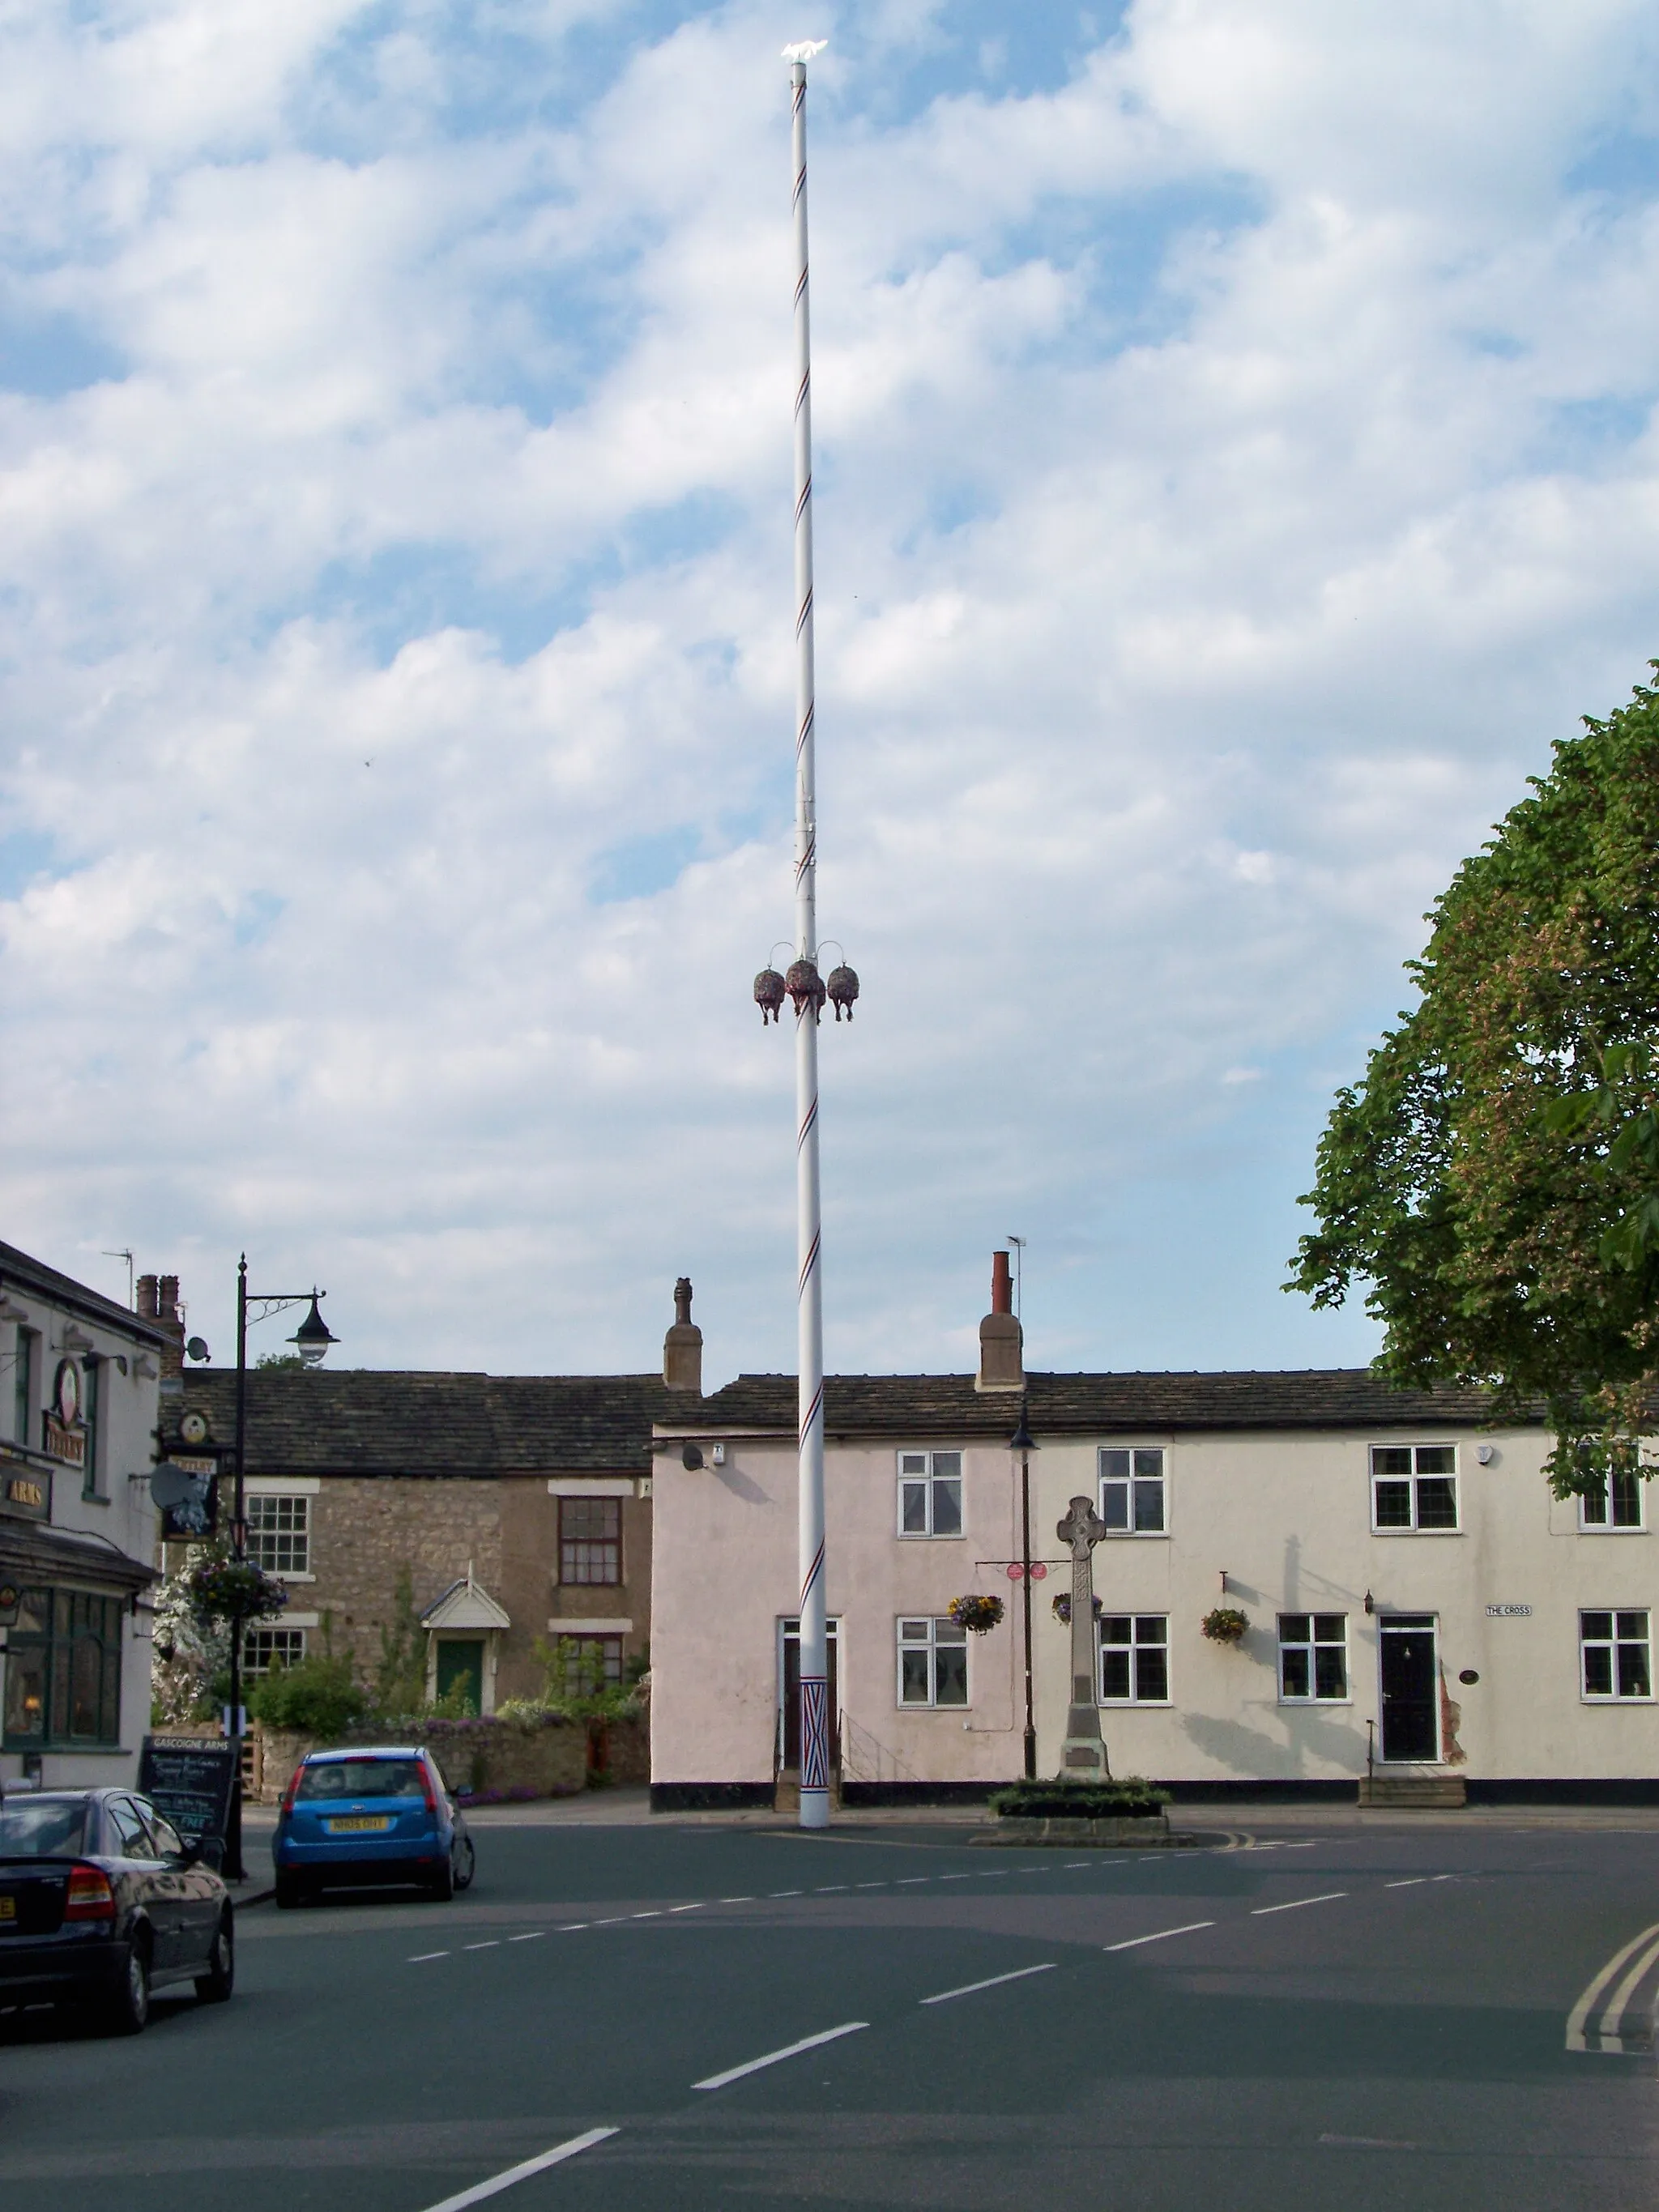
(1493, 1181)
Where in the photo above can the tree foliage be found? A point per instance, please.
(1493, 1181)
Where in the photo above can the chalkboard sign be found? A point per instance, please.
(187, 1779)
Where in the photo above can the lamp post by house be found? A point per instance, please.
(311, 1339)
(1025, 1443)
(808, 992)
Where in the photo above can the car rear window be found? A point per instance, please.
(50, 1828)
(362, 1777)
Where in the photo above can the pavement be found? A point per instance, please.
(1393, 2011)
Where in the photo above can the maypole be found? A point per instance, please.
(808, 991)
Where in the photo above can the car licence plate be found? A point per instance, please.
(370, 1825)
(7, 1910)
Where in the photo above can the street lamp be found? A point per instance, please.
(1025, 1443)
(311, 1341)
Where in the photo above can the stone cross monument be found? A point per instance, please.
(1084, 1754)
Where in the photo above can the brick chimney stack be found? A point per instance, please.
(158, 1301)
(1001, 1339)
(682, 1347)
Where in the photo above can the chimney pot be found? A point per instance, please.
(148, 1300)
(682, 1347)
(1001, 1339)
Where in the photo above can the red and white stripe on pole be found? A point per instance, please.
(814, 1657)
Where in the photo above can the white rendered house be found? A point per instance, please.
(1416, 1603)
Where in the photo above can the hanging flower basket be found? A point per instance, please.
(1063, 1607)
(1226, 1625)
(228, 1589)
(978, 1615)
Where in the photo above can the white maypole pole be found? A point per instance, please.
(808, 1001)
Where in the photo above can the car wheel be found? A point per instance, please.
(290, 1892)
(127, 2009)
(219, 1979)
(464, 1860)
(443, 1885)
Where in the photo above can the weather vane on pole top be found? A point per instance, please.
(808, 991)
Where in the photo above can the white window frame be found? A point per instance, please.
(920, 1467)
(1130, 1479)
(1606, 1525)
(1418, 1474)
(1611, 1645)
(954, 1638)
(294, 1641)
(294, 1500)
(1137, 1642)
(1313, 1643)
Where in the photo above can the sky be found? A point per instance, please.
(1235, 467)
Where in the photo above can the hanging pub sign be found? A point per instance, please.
(66, 1432)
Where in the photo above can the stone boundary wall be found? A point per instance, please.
(483, 1756)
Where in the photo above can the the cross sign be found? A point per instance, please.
(1082, 1528)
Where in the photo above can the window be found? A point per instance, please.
(266, 1647)
(22, 1419)
(1132, 1490)
(132, 1837)
(930, 1493)
(932, 1663)
(279, 1534)
(64, 1671)
(92, 1391)
(591, 1662)
(1614, 1650)
(590, 1540)
(1414, 1487)
(1134, 1659)
(1313, 1655)
(1620, 1509)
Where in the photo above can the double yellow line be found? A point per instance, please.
(1640, 1954)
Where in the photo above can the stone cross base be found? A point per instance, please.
(1083, 1756)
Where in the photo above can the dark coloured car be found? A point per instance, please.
(102, 1901)
(379, 1816)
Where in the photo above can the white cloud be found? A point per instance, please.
(1220, 512)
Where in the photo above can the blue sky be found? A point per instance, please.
(1236, 466)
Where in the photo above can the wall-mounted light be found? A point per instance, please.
(1371, 1602)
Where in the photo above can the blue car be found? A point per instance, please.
(369, 1816)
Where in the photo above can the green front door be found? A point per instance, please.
(460, 1667)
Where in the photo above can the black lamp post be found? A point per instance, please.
(311, 1339)
(1025, 1443)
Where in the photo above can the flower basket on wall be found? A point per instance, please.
(1226, 1624)
(978, 1615)
(1063, 1607)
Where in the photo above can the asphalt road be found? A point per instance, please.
(1356, 2018)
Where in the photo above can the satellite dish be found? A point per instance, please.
(196, 1349)
(170, 1486)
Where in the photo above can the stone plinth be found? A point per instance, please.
(1151, 1830)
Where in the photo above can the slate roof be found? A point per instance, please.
(19, 1272)
(946, 1405)
(369, 1421)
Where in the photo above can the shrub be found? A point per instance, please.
(317, 1696)
(1131, 1799)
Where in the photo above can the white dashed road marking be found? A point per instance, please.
(772, 2058)
(556, 2156)
(971, 1989)
(1188, 1927)
(1325, 1897)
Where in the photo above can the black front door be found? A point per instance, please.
(791, 1696)
(1410, 1683)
